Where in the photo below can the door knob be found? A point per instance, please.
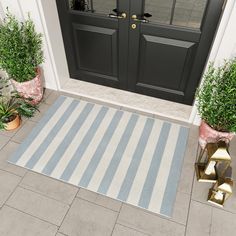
(118, 16)
(135, 18)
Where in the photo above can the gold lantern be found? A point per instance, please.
(210, 158)
(221, 190)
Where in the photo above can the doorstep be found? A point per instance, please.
(128, 100)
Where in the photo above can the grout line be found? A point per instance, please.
(24, 186)
(67, 211)
(159, 215)
(60, 233)
(137, 230)
(215, 207)
(20, 176)
(26, 213)
(118, 213)
(4, 145)
(13, 191)
(211, 220)
(191, 192)
(97, 203)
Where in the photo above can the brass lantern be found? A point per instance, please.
(221, 190)
(210, 158)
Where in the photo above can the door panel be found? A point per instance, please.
(161, 56)
(174, 61)
(96, 41)
(169, 63)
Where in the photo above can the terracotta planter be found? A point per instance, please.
(13, 124)
(209, 135)
(31, 89)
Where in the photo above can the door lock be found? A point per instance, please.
(133, 26)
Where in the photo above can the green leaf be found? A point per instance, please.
(216, 97)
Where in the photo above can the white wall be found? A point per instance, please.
(224, 45)
(50, 20)
(20, 8)
(227, 47)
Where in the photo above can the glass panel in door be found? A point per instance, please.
(185, 13)
(96, 6)
(189, 13)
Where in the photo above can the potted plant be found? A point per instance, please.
(20, 56)
(216, 103)
(9, 117)
(13, 107)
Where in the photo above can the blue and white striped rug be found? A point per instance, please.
(122, 155)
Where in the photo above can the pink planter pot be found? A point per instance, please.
(31, 89)
(209, 135)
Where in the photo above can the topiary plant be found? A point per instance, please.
(216, 97)
(20, 48)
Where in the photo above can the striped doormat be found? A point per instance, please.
(122, 155)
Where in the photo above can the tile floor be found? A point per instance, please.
(32, 204)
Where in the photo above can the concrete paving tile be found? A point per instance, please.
(43, 107)
(223, 223)
(85, 218)
(5, 154)
(200, 191)
(232, 147)
(3, 140)
(181, 206)
(37, 205)
(192, 147)
(23, 132)
(50, 187)
(8, 183)
(46, 93)
(186, 178)
(230, 204)
(199, 221)
(148, 223)
(187, 172)
(16, 223)
(99, 199)
(125, 231)
(52, 97)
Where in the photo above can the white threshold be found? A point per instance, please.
(129, 100)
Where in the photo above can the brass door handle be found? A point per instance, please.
(135, 18)
(118, 16)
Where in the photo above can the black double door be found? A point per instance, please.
(118, 43)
